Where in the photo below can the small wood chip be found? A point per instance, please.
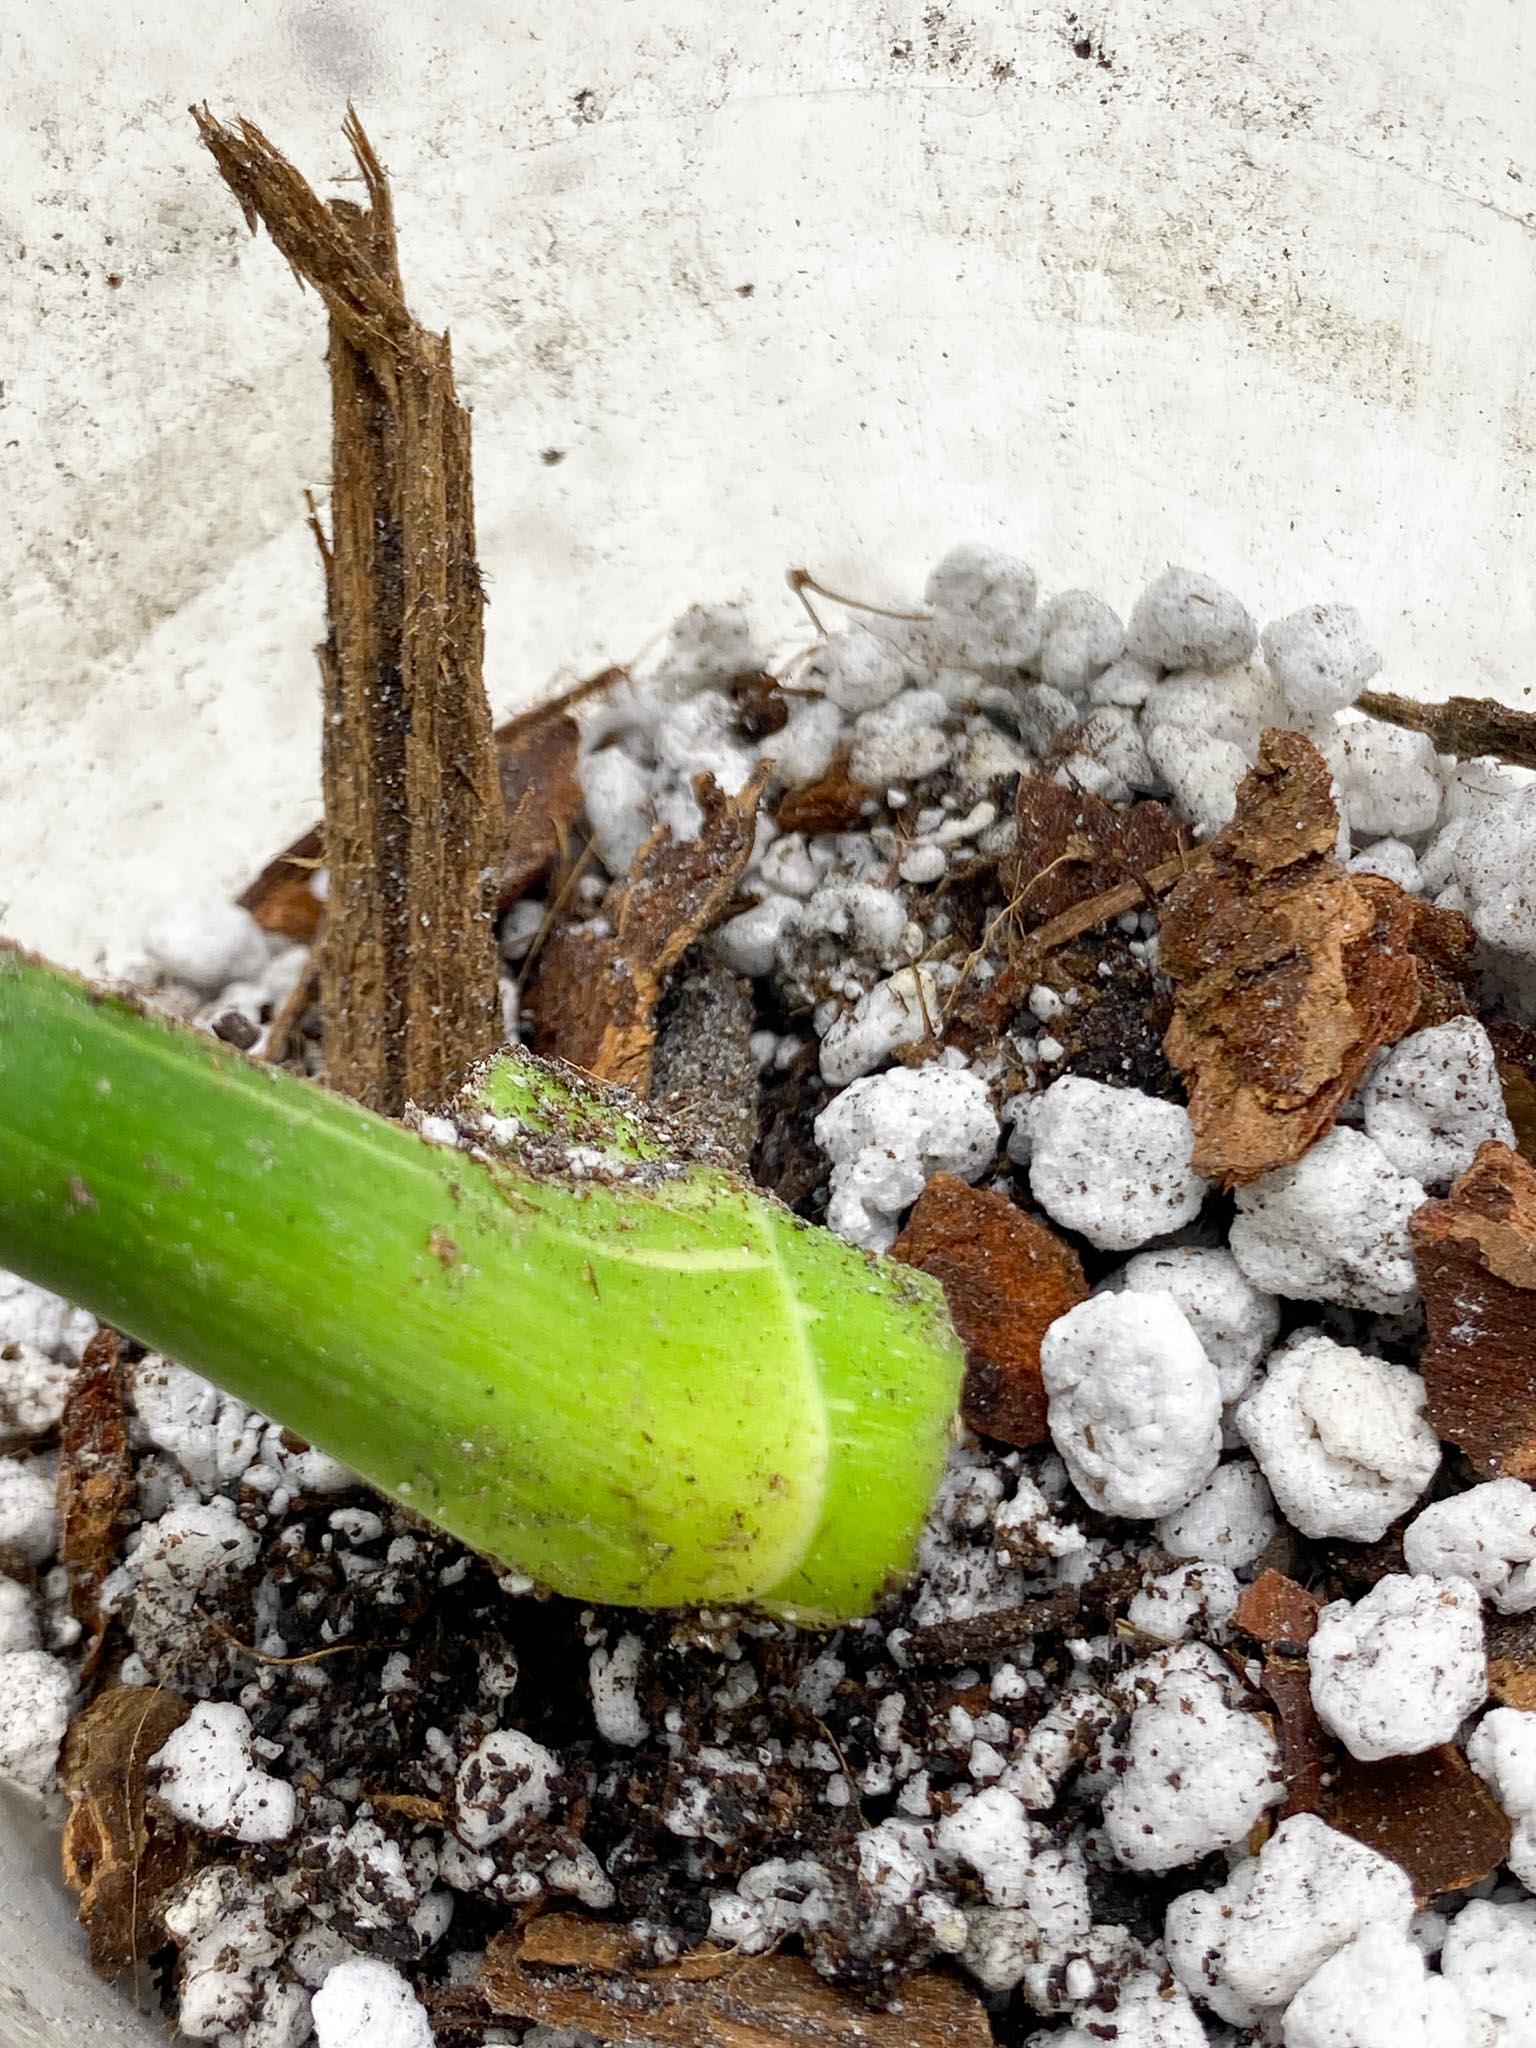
(594, 993)
(1305, 1751)
(1512, 1660)
(96, 1487)
(1288, 971)
(833, 803)
(1464, 726)
(1071, 847)
(1443, 944)
(1475, 1253)
(281, 899)
(1282, 1616)
(1431, 1813)
(714, 1999)
(982, 1638)
(541, 797)
(1275, 1611)
(1006, 1279)
(122, 1855)
(1514, 1048)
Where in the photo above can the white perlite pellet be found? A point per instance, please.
(207, 1774)
(1112, 1163)
(1377, 1993)
(506, 1779)
(1321, 657)
(36, 1693)
(1134, 1403)
(1502, 1750)
(1486, 1535)
(888, 1134)
(983, 604)
(31, 1316)
(1248, 1948)
(1186, 620)
(1333, 1227)
(1235, 1321)
(368, 2004)
(1341, 1437)
(1399, 1670)
(1229, 1521)
(1433, 1098)
(1196, 1772)
(205, 945)
(1490, 1956)
(900, 1011)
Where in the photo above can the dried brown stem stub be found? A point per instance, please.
(413, 825)
(1464, 726)
(1288, 971)
(1475, 1253)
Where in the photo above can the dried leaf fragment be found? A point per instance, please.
(714, 1999)
(1288, 971)
(122, 1856)
(594, 997)
(96, 1489)
(1431, 1813)
(1475, 1254)
(1006, 1279)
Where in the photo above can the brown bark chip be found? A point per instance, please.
(1006, 1279)
(96, 1489)
(1275, 1611)
(121, 1855)
(408, 969)
(832, 803)
(281, 899)
(1512, 1660)
(1288, 971)
(541, 797)
(1475, 1253)
(716, 1998)
(1071, 846)
(1443, 943)
(1514, 1048)
(593, 998)
(1430, 1813)
(1282, 1616)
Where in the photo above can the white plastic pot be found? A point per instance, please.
(1248, 287)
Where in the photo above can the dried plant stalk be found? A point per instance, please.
(412, 804)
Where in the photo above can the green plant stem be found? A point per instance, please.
(648, 1385)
